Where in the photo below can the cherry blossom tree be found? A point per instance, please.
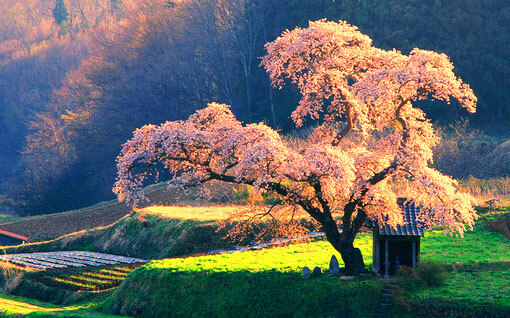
(370, 138)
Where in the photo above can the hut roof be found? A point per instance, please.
(411, 226)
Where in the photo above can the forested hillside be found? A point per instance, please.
(78, 76)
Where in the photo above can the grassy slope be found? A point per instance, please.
(251, 283)
(256, 283)
(152, 233)
(17, 306)
(50, 226)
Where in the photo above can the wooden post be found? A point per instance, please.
(414, 253)
(376, 261)
(386, 260)
(418, 252)
(378, 256)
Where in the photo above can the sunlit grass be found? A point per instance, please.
(474, 247)
(114, 272)
(15, 306)
(200, 213)
(290, 258)
(216, 212)
(94, 280)
(72, 282)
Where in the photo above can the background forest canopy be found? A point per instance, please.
(78, 76)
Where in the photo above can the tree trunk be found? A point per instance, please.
(353, 260)
(342, 242)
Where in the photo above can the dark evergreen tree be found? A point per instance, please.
(60, 12)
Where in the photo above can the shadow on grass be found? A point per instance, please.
(162, 292)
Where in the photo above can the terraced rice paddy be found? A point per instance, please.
(65, 259)
(89, 279)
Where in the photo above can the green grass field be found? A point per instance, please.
(478, 282)
(250, 283)
(269, 283)
(263, 283)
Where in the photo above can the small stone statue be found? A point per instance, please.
(334, 269)
(306, 272)
(317, 271)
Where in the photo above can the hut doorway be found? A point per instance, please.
(400, 253)
(398, 246)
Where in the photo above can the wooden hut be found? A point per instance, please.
(9, 238)
(400, 246)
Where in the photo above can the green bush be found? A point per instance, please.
(425, 274)
(432, 274)
(408, 279)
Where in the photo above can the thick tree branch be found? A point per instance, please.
(350, 124)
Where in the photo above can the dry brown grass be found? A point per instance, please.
(200, 213)
(10, 276)
(487, 189)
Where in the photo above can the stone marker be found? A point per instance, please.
(306, 272)
(317, 271)
(334, 269)
(347, 277)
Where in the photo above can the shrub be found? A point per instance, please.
(426, 274)
(431, 273)
(500, 225)
(408, 279)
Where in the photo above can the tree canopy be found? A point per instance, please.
(371, 137)
(72, 94)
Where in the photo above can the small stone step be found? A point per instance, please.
(383, 310)
(384, 306)
(386, 300)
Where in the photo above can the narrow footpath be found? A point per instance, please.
(384, 308)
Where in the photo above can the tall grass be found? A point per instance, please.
(10, 277)
(486, 188)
